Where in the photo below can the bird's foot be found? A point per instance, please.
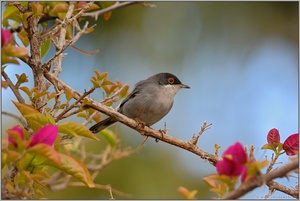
(140, 123)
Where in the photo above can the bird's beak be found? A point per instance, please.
(184, 86)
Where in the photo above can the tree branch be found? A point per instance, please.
(146, 131)
(262, 180)
(117, 5)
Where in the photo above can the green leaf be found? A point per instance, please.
(23, 35)
(45, 48)
(21, 79)
(101, 76)
(107, 82)
(124, 92)
(9, 13)
(75, 129)
(59, 8)
(76, 168)
(27, 91)
(37, 9)
(109, 136)
(47, 155)
(50, 118)
(52, 95)
(269, 146)
(68, 94)
(38, 94)
(33, 117)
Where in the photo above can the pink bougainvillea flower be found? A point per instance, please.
(291, 145)
(229, 168)
(273, 137)
(45, 135)
(233, 161)
(20, 131)
(6, 37)
(236, 153)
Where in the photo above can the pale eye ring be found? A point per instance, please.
(171, 80)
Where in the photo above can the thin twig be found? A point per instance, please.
(103, 187)
(117, 5)
(54, 30)
(60, 116)
(204, 127)
(19, 118)
(13, 87)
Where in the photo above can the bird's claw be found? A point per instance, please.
(140, 123)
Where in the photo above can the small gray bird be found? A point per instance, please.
(149, 102)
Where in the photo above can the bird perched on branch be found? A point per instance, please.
(149, 102)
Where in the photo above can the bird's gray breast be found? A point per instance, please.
(149, 105)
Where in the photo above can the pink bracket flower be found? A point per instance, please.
(6, 37)
(45, 135)
(233, 162)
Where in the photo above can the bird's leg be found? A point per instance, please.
(163, 131)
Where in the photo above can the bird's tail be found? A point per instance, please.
(102, 125)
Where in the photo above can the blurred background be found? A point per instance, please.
(240, 60)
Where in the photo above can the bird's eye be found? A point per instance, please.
(171, 80)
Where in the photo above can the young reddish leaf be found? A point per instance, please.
(4, 84)
(189, 195)
(14, 51)
(97, 117)
(273, 137)
(89, 30)
(107, 15)
(27, 176)
(291, 145)
(48, 153)
(77, 169)
(15, 135)
(75, 129)
(12, 156)
(34, 118)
